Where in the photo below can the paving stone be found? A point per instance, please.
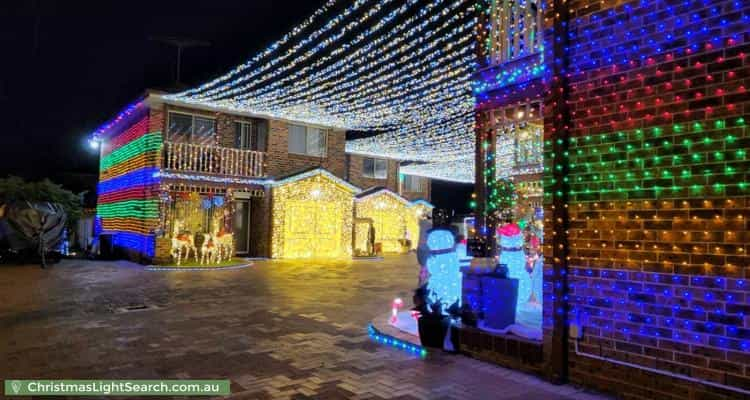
(277, 330)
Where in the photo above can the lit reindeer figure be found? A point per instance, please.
(209, 250)
(225, 243)
(182, 241)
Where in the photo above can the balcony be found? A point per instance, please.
(199, 158)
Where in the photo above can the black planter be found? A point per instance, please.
(432, 332)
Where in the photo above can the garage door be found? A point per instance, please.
(313, 229)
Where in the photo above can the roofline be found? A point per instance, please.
(381, 190)
(124, 115)
(313, 172)
(422, 202)
(156, 98)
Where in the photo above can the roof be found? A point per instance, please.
(376, 190)
(123, 119)
(311, 172)
(422, 202)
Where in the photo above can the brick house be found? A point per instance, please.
(366, 172)
(162, 160)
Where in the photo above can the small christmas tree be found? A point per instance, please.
(503, 198)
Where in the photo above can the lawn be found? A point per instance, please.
(191, 263)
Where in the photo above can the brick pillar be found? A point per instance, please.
(557, 368)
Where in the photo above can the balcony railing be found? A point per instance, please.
(516, 30)
(213, 159)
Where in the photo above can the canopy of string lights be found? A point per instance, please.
(400, 70)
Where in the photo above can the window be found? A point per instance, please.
(375, 168)
(411, 183)
(307, 140)
(191, 128)
(251, 135)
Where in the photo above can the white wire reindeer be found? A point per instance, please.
(209, 250)
(180, 242)
(225, 244)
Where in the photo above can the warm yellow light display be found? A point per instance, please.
(418, 211)
(393, 217)
(361, 236)
(312, 217)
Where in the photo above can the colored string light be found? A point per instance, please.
(145, 143)
(403, 345)
(142, 177)
(407, 76)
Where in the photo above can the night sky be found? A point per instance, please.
(68, 66)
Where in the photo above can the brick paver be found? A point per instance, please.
(278, 330)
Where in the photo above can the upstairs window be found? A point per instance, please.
(188, 128)
(251, 135)
(307, 140)
(411, 184)
(375, 168)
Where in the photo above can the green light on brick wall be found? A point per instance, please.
(144, 144)
(129, 209)
(694, 159)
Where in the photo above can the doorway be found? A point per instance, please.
(241, 225)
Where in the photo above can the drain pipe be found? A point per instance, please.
(656, 371)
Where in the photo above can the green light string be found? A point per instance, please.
(144, 144)
(141, 209)
(696, 159)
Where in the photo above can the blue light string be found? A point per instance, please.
(408, 347)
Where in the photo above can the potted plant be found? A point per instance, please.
(433, 322)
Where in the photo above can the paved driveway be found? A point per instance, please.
(278, 329)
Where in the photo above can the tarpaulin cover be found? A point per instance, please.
(22, 223)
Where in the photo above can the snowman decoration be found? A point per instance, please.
(444, 282)
(534, 266)
(513, 257)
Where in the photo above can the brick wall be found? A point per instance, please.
(647, 198)
(127, 203)
(260, 217)
(357, 178)
(281, 163)
(658, 201)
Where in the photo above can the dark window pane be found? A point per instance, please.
(261, 135)
(316, 145)
(238, 143)
(297, 139)
(205, 129)
(381, 169)
(180, 127)
(368, 167)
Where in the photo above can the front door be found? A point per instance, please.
(242, 226)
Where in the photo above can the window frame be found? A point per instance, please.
(321, 131)
(192, 126)
(407, 189)
(253, 133)
(373, 174)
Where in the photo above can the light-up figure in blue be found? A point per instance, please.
(444, 282)
(513, 257)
